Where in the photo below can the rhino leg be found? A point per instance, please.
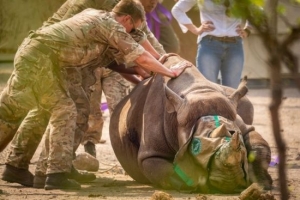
(245, 109)
(160, 172)
(259, 157)
(126, 147)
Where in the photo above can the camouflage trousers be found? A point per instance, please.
(81, 101)
(33, 97)
(115, 88)
(89, 122)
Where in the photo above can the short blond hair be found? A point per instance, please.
(134, 8)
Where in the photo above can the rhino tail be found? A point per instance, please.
(239, 92)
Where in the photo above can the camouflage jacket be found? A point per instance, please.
(72, 7)
(85, 38)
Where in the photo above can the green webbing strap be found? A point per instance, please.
(217, 122)
(227, 139)
(183, 176)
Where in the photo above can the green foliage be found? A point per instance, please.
(258, 3)
(297, 1)
(246, 9)
(281, 9)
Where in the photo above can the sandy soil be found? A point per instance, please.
(113, 183)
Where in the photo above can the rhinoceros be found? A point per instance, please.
(188, 134)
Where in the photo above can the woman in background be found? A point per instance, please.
(220, 44)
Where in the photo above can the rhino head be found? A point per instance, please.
(228, 168)
(214, 159)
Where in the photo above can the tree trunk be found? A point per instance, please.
(276, 92)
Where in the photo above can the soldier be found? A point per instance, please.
(27, 139)
(38, 79)
(114, 86)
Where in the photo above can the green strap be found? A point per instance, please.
(227, 139)
(217, 122)
(183, 176)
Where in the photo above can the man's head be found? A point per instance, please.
(149, 5)
(130, 13)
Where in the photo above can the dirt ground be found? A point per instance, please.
(113, 183)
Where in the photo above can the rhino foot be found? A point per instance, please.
(263, 178)
(266, 181)
(259, 157)
(258, 174)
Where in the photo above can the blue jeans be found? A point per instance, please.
(227, 57)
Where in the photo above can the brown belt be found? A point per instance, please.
(224, 39)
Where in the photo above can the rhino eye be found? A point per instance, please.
(182, 96)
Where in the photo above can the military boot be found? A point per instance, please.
(39, 181)
(17, 175)
(60, 181)
(90, 148)
(81, 177)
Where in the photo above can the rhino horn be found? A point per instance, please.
(173, 102)
(239, 92)
(231, 153)
(235, 142)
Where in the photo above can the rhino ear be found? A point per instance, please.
(221, 131)
(173, 101)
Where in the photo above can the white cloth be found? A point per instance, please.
(209, 11)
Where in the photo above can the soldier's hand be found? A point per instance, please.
(164, 57)
(180, 67)
(143, 73)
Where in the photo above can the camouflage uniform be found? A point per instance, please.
(34, 84)
(27, 140)
(84, 45)
(114, 86)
